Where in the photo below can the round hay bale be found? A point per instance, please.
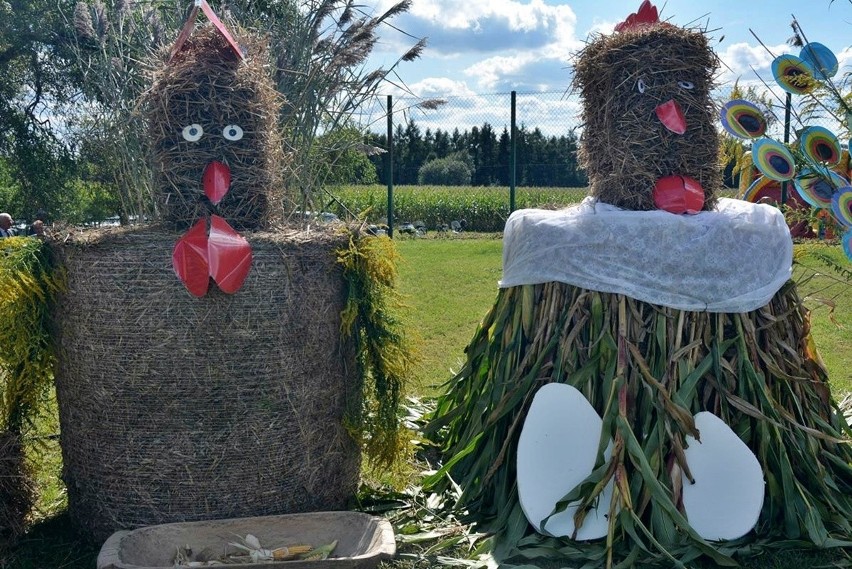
(175, 408)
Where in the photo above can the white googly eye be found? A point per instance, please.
(640, 85)
(232, 132)
(686, 85)
(193, 132)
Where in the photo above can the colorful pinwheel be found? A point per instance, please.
(773, 159)
(793, 75)
(743, 119)
(817, 184)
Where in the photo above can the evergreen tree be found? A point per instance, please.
(442, 144)
(485, 149)
(542, 161)
(504, 158)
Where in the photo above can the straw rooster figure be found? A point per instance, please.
(212, 119)
(649, 140)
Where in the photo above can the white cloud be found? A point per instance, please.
(513, 14)
(743, 60)
(844, 62)
(489, 26)
(525, 72)
(522, 45)
(489, 72)
(601, 27)
(437, 87)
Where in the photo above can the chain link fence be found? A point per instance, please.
(548, 126)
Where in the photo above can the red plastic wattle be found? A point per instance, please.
(189, 259)
(679, 194)
(229, 255)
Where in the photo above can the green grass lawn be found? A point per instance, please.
(829, 297)
(449, 283)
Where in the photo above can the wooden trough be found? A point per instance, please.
(362, 541)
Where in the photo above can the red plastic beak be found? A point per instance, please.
(216, 180)
(229, 255)
(671, 115)
(189, 259)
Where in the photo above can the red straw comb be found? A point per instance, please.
(647, 14)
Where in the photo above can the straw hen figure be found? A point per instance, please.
(645, 383)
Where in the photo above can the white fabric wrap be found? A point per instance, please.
(732, 259)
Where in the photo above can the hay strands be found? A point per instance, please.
(646, 370)
(205, 86)
(258, 378)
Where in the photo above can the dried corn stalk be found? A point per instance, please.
(646, 370)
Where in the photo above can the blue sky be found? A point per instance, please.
(495, 46)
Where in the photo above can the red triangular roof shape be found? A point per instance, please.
(214, 19)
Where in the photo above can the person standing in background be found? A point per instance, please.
(37, 229)
(37, 226)
(6, 225)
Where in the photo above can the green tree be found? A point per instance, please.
(33, 86)
(442, 144)
(343, 158)
(484, 152)
(504, 158)
(444, 172)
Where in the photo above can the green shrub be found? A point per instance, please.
(444, 172)
(484, 209)
(29, 280)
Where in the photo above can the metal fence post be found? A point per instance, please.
(390, 166)
(513, 160)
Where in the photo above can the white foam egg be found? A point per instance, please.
(556, 451)
(726, 499)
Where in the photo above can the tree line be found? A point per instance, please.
(541, 161)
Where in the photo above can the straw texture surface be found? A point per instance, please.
(207, 85)
(176, 408)
(624, 147)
